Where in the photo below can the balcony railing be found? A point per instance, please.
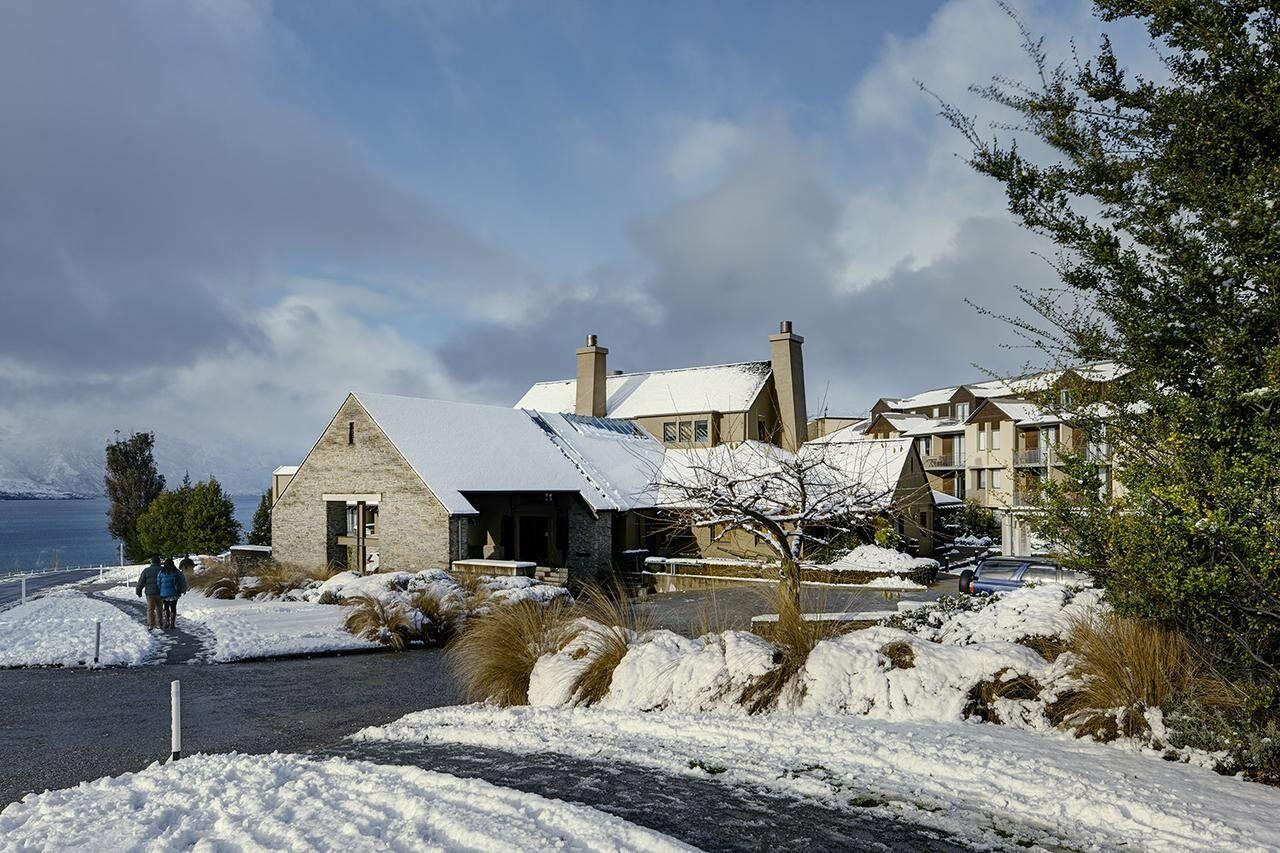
(1032, 456)
(945, 460)
(1026, 497)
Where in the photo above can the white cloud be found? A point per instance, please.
(702, 150)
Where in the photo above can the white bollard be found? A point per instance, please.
(97, 639)
(175, 720)
(24, 590)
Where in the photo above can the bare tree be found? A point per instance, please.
(793, 502)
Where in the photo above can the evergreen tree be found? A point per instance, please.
(261, 532)
(210, 519)
(162, 529)
(132, 483)
(1161, 195)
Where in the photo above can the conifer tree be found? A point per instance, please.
(260, 534)
(132, 483)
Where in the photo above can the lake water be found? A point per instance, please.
(43, 534)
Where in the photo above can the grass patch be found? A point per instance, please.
(494, 654)
(377, 620)
(900, 654)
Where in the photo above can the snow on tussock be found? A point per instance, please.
(286, 802)
(1044, 610)
(996, 787)
(58, 630)
(879, 672)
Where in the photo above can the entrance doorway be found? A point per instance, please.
(533, 543)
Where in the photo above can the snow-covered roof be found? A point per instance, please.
(934, 397)
(1024, 413)
(1100, 371)
(617, 457)
(283, 470)
(934, 426)
(458, 448)
(942, 499)
(875, 466)
(722, 388)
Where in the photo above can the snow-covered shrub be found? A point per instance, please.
(382, 621)
(497, 651)
(441, 613)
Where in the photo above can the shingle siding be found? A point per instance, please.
(414, 530)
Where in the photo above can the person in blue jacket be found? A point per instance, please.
(171, 583)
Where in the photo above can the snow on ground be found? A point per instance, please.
(1043, 610)
(995, 786)
(58, 630)
(873, 558)
(245, 628)
(287, 802)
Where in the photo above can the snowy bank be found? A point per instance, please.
(245, 629)
(287, 802)
(58, 630)
(873, 558)
(995, 786)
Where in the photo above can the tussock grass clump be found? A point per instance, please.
(1128, 663)
(276, 579)
(216, 579)
(794, 637)
(494, 654)
(378, 620)
(1003, 685)
(609, 625)
(442, 615)
(472, 585)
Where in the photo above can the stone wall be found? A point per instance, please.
(590, 552)
(414, 530)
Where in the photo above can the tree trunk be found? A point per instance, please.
(789, 592)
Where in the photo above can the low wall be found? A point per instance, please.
(673, 575)
(495, 568)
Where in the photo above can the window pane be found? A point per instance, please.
(700, 432)
(669, 432)
(995, 436)
(686, 431)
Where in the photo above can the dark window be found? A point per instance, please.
(669, 432)
(760, 430)
(562, 538)
(351, 432)
(686, 432)
(700, 432)
(506, 537)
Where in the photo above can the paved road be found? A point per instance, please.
(700, 811)
(11, 590)
(59, 727)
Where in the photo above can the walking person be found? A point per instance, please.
(172, 583)
(148, 581)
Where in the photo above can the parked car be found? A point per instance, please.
(997, 574)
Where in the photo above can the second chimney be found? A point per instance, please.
(787, 360)
(590, 397)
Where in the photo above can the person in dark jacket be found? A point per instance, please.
(171, 583)
(148, 581)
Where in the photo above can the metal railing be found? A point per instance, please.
(954, 459)
(1026, 497)
(1030, 456)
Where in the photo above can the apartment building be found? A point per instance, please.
(992, 443)
(691, 406)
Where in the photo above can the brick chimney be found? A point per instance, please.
(787, 361)
(591, 379)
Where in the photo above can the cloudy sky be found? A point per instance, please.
(218, 217)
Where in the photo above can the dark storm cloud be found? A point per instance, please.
(151, 181)
(763, 245)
